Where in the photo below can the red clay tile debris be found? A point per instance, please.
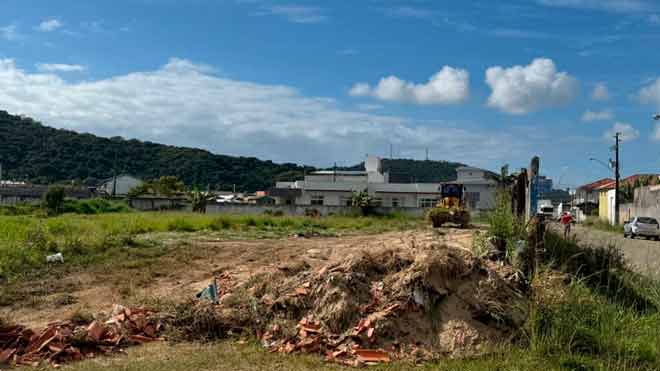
(62, 342)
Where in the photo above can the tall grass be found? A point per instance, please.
(589, 310)
(601, 314)
(26, 240)
(603, 225)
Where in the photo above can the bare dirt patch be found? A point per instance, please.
(187, 268)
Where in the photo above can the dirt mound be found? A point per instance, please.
(421, 302)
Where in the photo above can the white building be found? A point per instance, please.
(119, 185)
(335, 188)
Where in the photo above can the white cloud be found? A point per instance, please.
(183, 103)
(49, 25)
(590, 116)
(620, 6)
(628, 132)
(295, 13)
(369, 107)
(656, 133)
(9, 33)
(650, 94)
(59, 67)
(600, 93)
(448, 86)
(523, 89)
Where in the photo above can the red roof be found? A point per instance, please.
(606, 184)
(633, 178)
(596, 184)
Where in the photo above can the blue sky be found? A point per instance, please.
(317, 82)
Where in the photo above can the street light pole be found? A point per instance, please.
(617, 176)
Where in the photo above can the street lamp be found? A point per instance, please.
(609, 167)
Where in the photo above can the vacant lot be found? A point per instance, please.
(574, 323)
(180, 266)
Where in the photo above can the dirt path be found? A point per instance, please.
(642, 254)
(181, 274)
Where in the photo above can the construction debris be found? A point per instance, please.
(65, 341)
(421, 303)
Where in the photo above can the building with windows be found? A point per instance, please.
(335, 188)
(544, 184)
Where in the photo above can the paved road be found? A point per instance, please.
(642, 254)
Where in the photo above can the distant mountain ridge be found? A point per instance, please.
(41, 154)
(44, 155)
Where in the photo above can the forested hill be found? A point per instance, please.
(29, 150)
(44, 155)
(416, 171)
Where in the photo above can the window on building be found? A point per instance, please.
(377, 201)
(317, 200)
(395, 202)
(345, 200)
(427, 202)
(472, 199)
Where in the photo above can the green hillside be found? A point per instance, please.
(32, 151)
(43, 155)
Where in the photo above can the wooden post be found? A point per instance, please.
(532, 189)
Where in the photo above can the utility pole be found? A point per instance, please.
(391, 151)
(334, 173)
(427, 153)
(617, 177)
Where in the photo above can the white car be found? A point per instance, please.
(642, 226)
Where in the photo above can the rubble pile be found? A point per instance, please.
(66, 341)
(420, 303)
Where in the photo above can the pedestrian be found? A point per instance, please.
(566, 220)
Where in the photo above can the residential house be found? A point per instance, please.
(587, 196)
(335, 188)
(606, 200)
(119, 185)
(148, 202)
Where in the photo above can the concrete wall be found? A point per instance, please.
(647, 203)
(300, 209)
(486, 196)
(15, 200)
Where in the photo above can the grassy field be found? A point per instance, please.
(26, 240)
(588, 310)
(232, 355)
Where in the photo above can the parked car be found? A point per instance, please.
(642, 226)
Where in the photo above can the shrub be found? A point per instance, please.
(53, 200)
(95, 206)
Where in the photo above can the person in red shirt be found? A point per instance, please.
(566, 220)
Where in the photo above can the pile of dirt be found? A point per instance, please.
(422, 302)
(68, 341)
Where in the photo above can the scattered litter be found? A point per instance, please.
(55, 258)
(209, 293)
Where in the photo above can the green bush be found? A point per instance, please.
(53, 200)
(95, 206)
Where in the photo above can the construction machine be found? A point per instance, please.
(451, 207)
